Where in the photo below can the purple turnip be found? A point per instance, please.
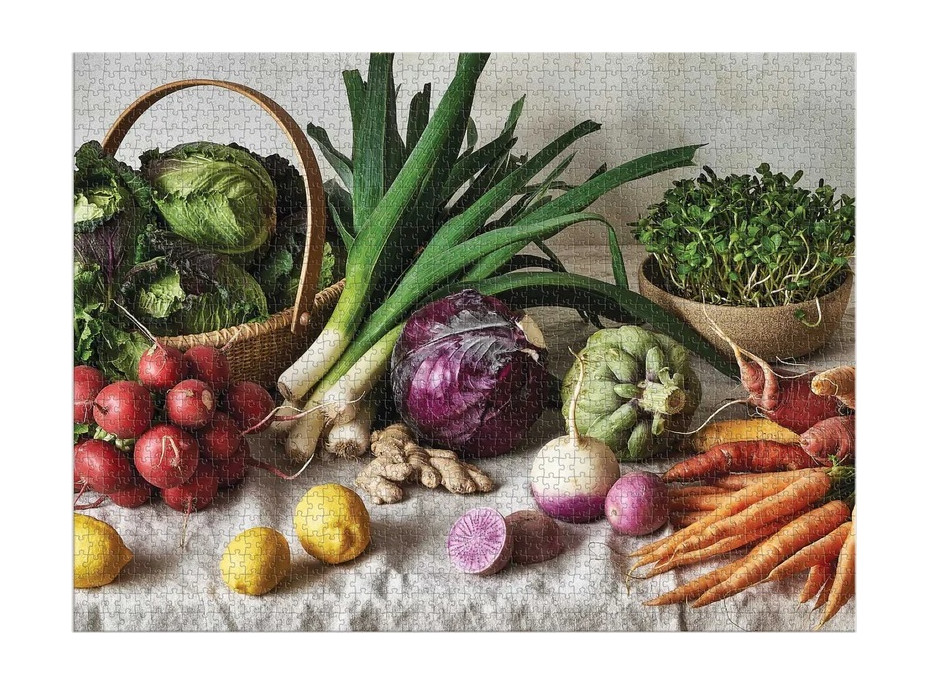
(638, 504)
(480, 542)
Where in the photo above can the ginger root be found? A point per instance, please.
(398, 459)
(838, 382)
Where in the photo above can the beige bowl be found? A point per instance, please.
(769, 332)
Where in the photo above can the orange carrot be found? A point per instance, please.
(745, 498)
(704, 502)
(696, 587)
(845, 572)
(741, 456)
(738, 481)
(761, 561)
(791, 499)
(683, 491)
(822, 551)
(680, 519)
(826, 587)
(814, 582)
(724, 546)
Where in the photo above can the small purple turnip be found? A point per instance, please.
(638, 504)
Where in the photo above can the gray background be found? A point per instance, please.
(791, 110)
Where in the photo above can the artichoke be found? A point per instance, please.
(638, 388)
(217, 197)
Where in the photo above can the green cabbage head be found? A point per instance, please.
(217, 197)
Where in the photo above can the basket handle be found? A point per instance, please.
(312, 179)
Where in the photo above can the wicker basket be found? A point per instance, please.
(261, 352)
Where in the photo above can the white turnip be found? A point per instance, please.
(209, 365)
(88, 382)
(162, 367)
(123, 409)
(220, 439)
(190, 404)
(638, 504)
(480, 542)
(572, 474)
(102, 467)
(166, 456)
(248, 404)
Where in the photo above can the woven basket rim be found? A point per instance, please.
(242, 333)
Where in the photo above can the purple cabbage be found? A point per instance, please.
(466, 377)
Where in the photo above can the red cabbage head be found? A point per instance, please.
(468, 374)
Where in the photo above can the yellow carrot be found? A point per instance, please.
(732, 430)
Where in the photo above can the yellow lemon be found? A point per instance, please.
(332, 523)
(255, 561)
(99, 553)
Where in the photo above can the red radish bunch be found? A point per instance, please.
(188, 450)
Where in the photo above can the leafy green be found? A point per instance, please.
(749, 240)
(218, 197)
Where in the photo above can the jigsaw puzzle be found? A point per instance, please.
(434, 342)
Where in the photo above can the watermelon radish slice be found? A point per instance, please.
(480, 542)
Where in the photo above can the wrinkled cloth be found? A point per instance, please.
(405, 581)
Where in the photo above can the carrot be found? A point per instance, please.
(845, 572)
(790, 500)
(700, 502)
(830, 438)
(814, 582)
(824, 550)
(681, 519)
(746, 497)
(741, 456)
(762, 560)
(696, 587)
(683, 491)
(724, 546)
(838, 382)
(732, 430)
(738, 481)
(826, 587)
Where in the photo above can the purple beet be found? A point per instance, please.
(480, 542)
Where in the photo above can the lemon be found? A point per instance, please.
(99, 553)
(332, 523)
(255, 561)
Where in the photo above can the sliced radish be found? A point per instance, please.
(480, 542)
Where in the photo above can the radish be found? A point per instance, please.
(102, 467)
(232, 472)
(248, 404)
(88, 382)
(166, 456)
(123, 409)
(79, 484)
(535, 537)
(572, 474)
(135, 496)
(209, 365)
(221, 439)
(190, 404)
(162, 367)
(480, 542)
(196, 494)
(638, 504)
